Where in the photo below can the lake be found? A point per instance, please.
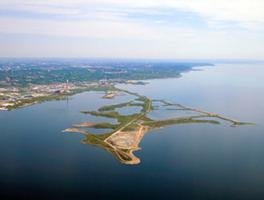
(191, 161)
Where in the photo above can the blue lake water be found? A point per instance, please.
(193, 161)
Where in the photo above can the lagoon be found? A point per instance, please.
(193, 161)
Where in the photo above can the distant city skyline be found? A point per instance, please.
(148, 29)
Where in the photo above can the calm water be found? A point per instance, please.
(200, 161)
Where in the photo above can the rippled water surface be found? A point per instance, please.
(193, 161)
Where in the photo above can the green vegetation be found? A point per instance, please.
(102, 114)
(187, 120)
(39, 71)
(120, 154)
(34, 100)
(112, 107)
(53, 96)
(104, 125)
(124, 136)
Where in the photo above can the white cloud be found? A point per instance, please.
(242, 11)
(233, 10)
(108, 20)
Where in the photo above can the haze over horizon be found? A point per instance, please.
(169, 29)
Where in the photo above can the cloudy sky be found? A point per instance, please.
(174, 29)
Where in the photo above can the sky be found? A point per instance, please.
(159, 29)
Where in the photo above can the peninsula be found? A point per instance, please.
(125, 135)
